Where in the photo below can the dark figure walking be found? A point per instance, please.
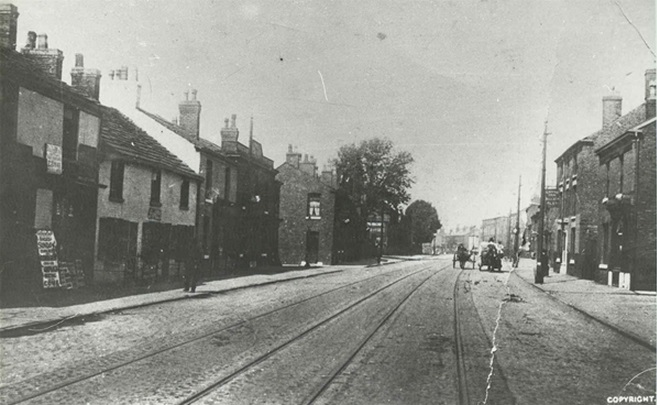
(192, 267)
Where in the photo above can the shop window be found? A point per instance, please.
(314, 206)
(117, 171)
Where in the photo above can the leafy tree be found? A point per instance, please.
(374, 179)
(424, 221)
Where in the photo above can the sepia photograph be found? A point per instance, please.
(376, 202)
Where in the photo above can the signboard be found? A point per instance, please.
(53, 155)
(47, 249)
(551, 198)
(155, 213)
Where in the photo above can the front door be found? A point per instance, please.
(312, 247)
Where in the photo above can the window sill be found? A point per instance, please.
(117, 200)
(313, 217)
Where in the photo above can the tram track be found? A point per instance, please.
(317, 391)
(42, 391)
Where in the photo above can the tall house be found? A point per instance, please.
(307, 210)
(579, 186)
(49, 136)
(626, 202)
(252, 234)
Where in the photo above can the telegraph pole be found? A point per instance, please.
(540, 258)
(516, 242)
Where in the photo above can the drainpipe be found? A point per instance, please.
(637, 146)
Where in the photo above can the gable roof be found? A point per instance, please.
(200, 143)
(285, 167)
(123, 136)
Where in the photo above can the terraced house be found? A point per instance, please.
(49, 137)
(146, 205)
(626, 214)
(581, 187)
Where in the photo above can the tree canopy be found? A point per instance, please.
(374, 176)
(424, 221)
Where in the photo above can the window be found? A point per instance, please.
(573, 245)
(606, 237)
(116, 181)
(227, 184)
(156, 183)
(620, 168)
(70, 135)
(314, 206)
(184, 195)
(117, 239)
(607, 180)
(208, 179)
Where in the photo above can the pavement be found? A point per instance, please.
(632, 314)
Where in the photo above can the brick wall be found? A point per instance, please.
(295, 222)
(644, 278)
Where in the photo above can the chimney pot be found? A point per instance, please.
(226, 122)
(31, 40)
(8, 25)
(79, 60)
(43, 41)
(194, 91)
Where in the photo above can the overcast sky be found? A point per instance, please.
(465, 86)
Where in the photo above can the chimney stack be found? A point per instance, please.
(292, 158)
(8, 24)
(611, 109)
(86, 81)
(230, 135)
(308, 166)
(190, 114)
(650, 93)
(49, 61)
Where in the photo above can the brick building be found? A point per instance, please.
(550, 228)
(307, 209)
(146, 207)
(580, 186)
(49, 136)
(626, 215)
(252, 221)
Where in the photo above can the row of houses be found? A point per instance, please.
(96, 188)
(600, 216)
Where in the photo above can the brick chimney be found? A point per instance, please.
(230, 134)
(86, 81)
(8, 24)
(292, 158)
(650, 94)
(190, 114)
(328, 177)
(49, 61)
(309, 166)
(611, 109)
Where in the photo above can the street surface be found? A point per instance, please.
(416, 332)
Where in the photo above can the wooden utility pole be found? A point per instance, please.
(541, 259)
(516, 242)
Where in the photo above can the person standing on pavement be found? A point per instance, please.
(192, 266)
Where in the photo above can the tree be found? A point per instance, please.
(374, 178)
(424, 221)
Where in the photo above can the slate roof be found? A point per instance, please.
(17, 67)
(614, 130)
(200, 143)
(123, 136)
